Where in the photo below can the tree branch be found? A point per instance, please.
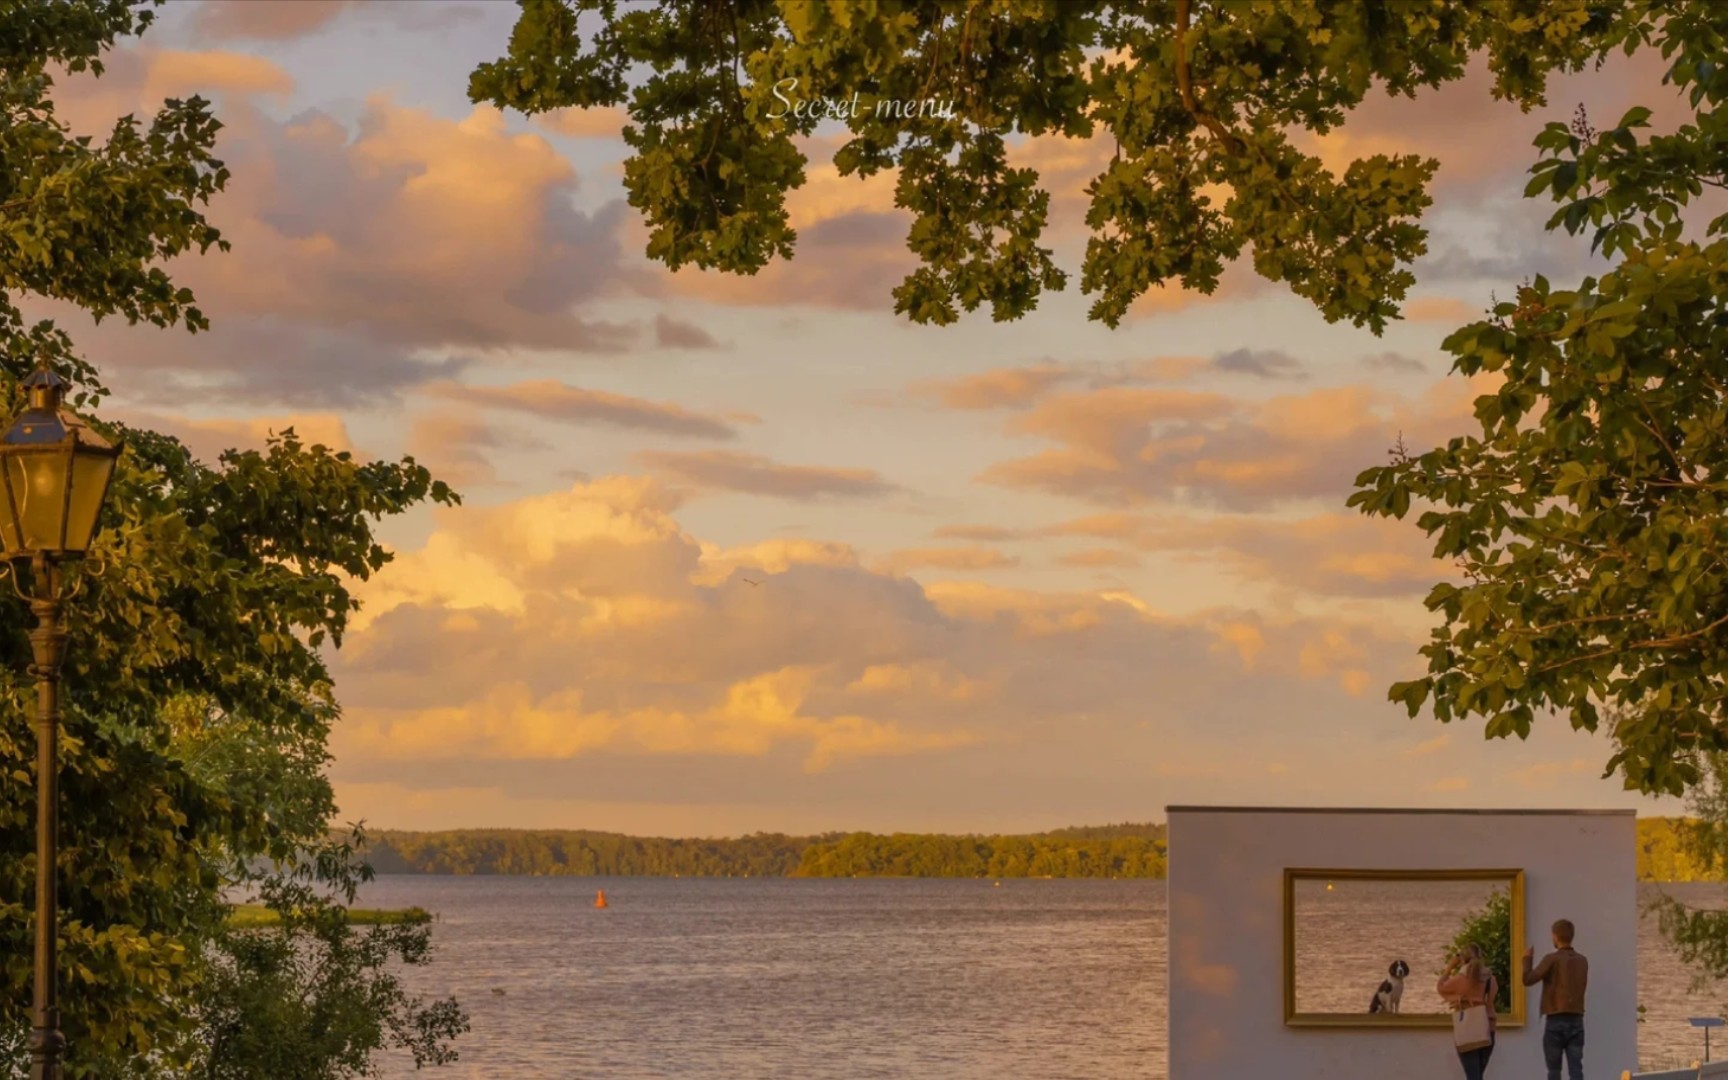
(1653, 643)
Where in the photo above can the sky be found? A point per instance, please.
(755, 554)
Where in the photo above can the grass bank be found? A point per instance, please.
(252, 916)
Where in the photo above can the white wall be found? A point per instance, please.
(1226, 934)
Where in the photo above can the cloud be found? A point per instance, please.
(998, 388)
(1444, 309)
(753, 474)
(1026, 385)
(1261, 363)
(458, 447)
(1456, 263)
(1333, 554)
(1547, 775)
(265, 20)
(388, 253)
(561, 402)
(254, 362)
(285, 20)
(1394, 361)
(949, 558)
(425, 231)
(1100, 559)
(672, 333)
(1125, 445)
(988, 534)
(753, 717)
(624, 637)
(1430, 746)
(1450, 784)
(1483, 143)
(601, 122)
(722, 566)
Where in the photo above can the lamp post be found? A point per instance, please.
(54, 476)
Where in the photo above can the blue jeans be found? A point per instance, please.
(1564, 1035)
(1475, 1062)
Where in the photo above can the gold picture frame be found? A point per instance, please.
(1512, 879)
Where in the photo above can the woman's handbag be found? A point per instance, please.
(1470, 1027)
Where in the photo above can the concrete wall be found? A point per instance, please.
(1226, 934)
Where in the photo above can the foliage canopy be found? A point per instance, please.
(1200, 100)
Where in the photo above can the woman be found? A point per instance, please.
(1465, 982)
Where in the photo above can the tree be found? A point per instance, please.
(314, 998)
(1700, 934)
(197, 705)
(1585, 517)
(1490, 929)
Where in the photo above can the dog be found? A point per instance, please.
(1391, 992)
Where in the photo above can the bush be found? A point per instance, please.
(1490, 929)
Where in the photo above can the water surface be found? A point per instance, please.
(770, 979)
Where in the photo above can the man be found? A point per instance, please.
(1563, 974)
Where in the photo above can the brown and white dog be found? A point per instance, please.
(1391, 992)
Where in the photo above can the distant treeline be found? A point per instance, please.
(1118, 851)
(1662, 854)
(1104, 851)
(1108, 851)
(582, 854)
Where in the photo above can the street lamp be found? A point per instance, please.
(54, 475)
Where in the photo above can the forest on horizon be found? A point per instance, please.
(1128, 850)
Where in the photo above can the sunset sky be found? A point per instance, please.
(745, 554)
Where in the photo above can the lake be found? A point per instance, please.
(721, 979)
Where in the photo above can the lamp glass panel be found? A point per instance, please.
(90, 473)
(39, 483)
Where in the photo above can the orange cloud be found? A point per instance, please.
(1336, 554)
(721, 565)
(950, 558)
(753, 474)
(208, 438)
(998, 388)
(457, 447)
(1125, 445)
(562, 402)
(1100, 559)
(988, 534)
(1444, 309)
(622, 635)
(1025, 386)
(1430, 746)
(927, 679)
(753, 717)
(1334, 653)
(600, 122)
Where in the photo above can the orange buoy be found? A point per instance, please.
(600, 899)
